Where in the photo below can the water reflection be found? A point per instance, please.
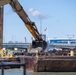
(20, 72)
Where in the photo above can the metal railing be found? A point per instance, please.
(11, 64)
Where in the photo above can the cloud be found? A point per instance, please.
(37, 14)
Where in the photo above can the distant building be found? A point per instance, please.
(62, 43)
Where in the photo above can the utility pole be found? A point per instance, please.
(1, 26)
(41, 26)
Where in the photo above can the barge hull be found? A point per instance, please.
(51, 64)
(55, 66)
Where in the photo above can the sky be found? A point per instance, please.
(54, 18)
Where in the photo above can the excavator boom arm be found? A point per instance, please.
(3, 2)
(28, 23)
(22, 14)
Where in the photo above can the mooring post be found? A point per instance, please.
(24, 69)
(2, 70)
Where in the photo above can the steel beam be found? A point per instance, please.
(1, 26)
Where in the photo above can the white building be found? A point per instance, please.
(62, 43)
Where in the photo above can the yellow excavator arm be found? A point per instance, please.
(22, 14)
(28, 23)
(3, 2)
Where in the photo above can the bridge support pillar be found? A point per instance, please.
(1, 26)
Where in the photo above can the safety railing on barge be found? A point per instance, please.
(11, 64)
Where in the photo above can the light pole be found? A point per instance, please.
(41, 26)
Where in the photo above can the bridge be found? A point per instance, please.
(62, 46)
(16, 45)
(51, 45)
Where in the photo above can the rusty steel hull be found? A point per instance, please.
(50, 64)
(58, 64)
(29, 61)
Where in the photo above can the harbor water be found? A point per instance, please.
(20, 72)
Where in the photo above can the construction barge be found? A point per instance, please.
(46, 62)
(59, 61)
